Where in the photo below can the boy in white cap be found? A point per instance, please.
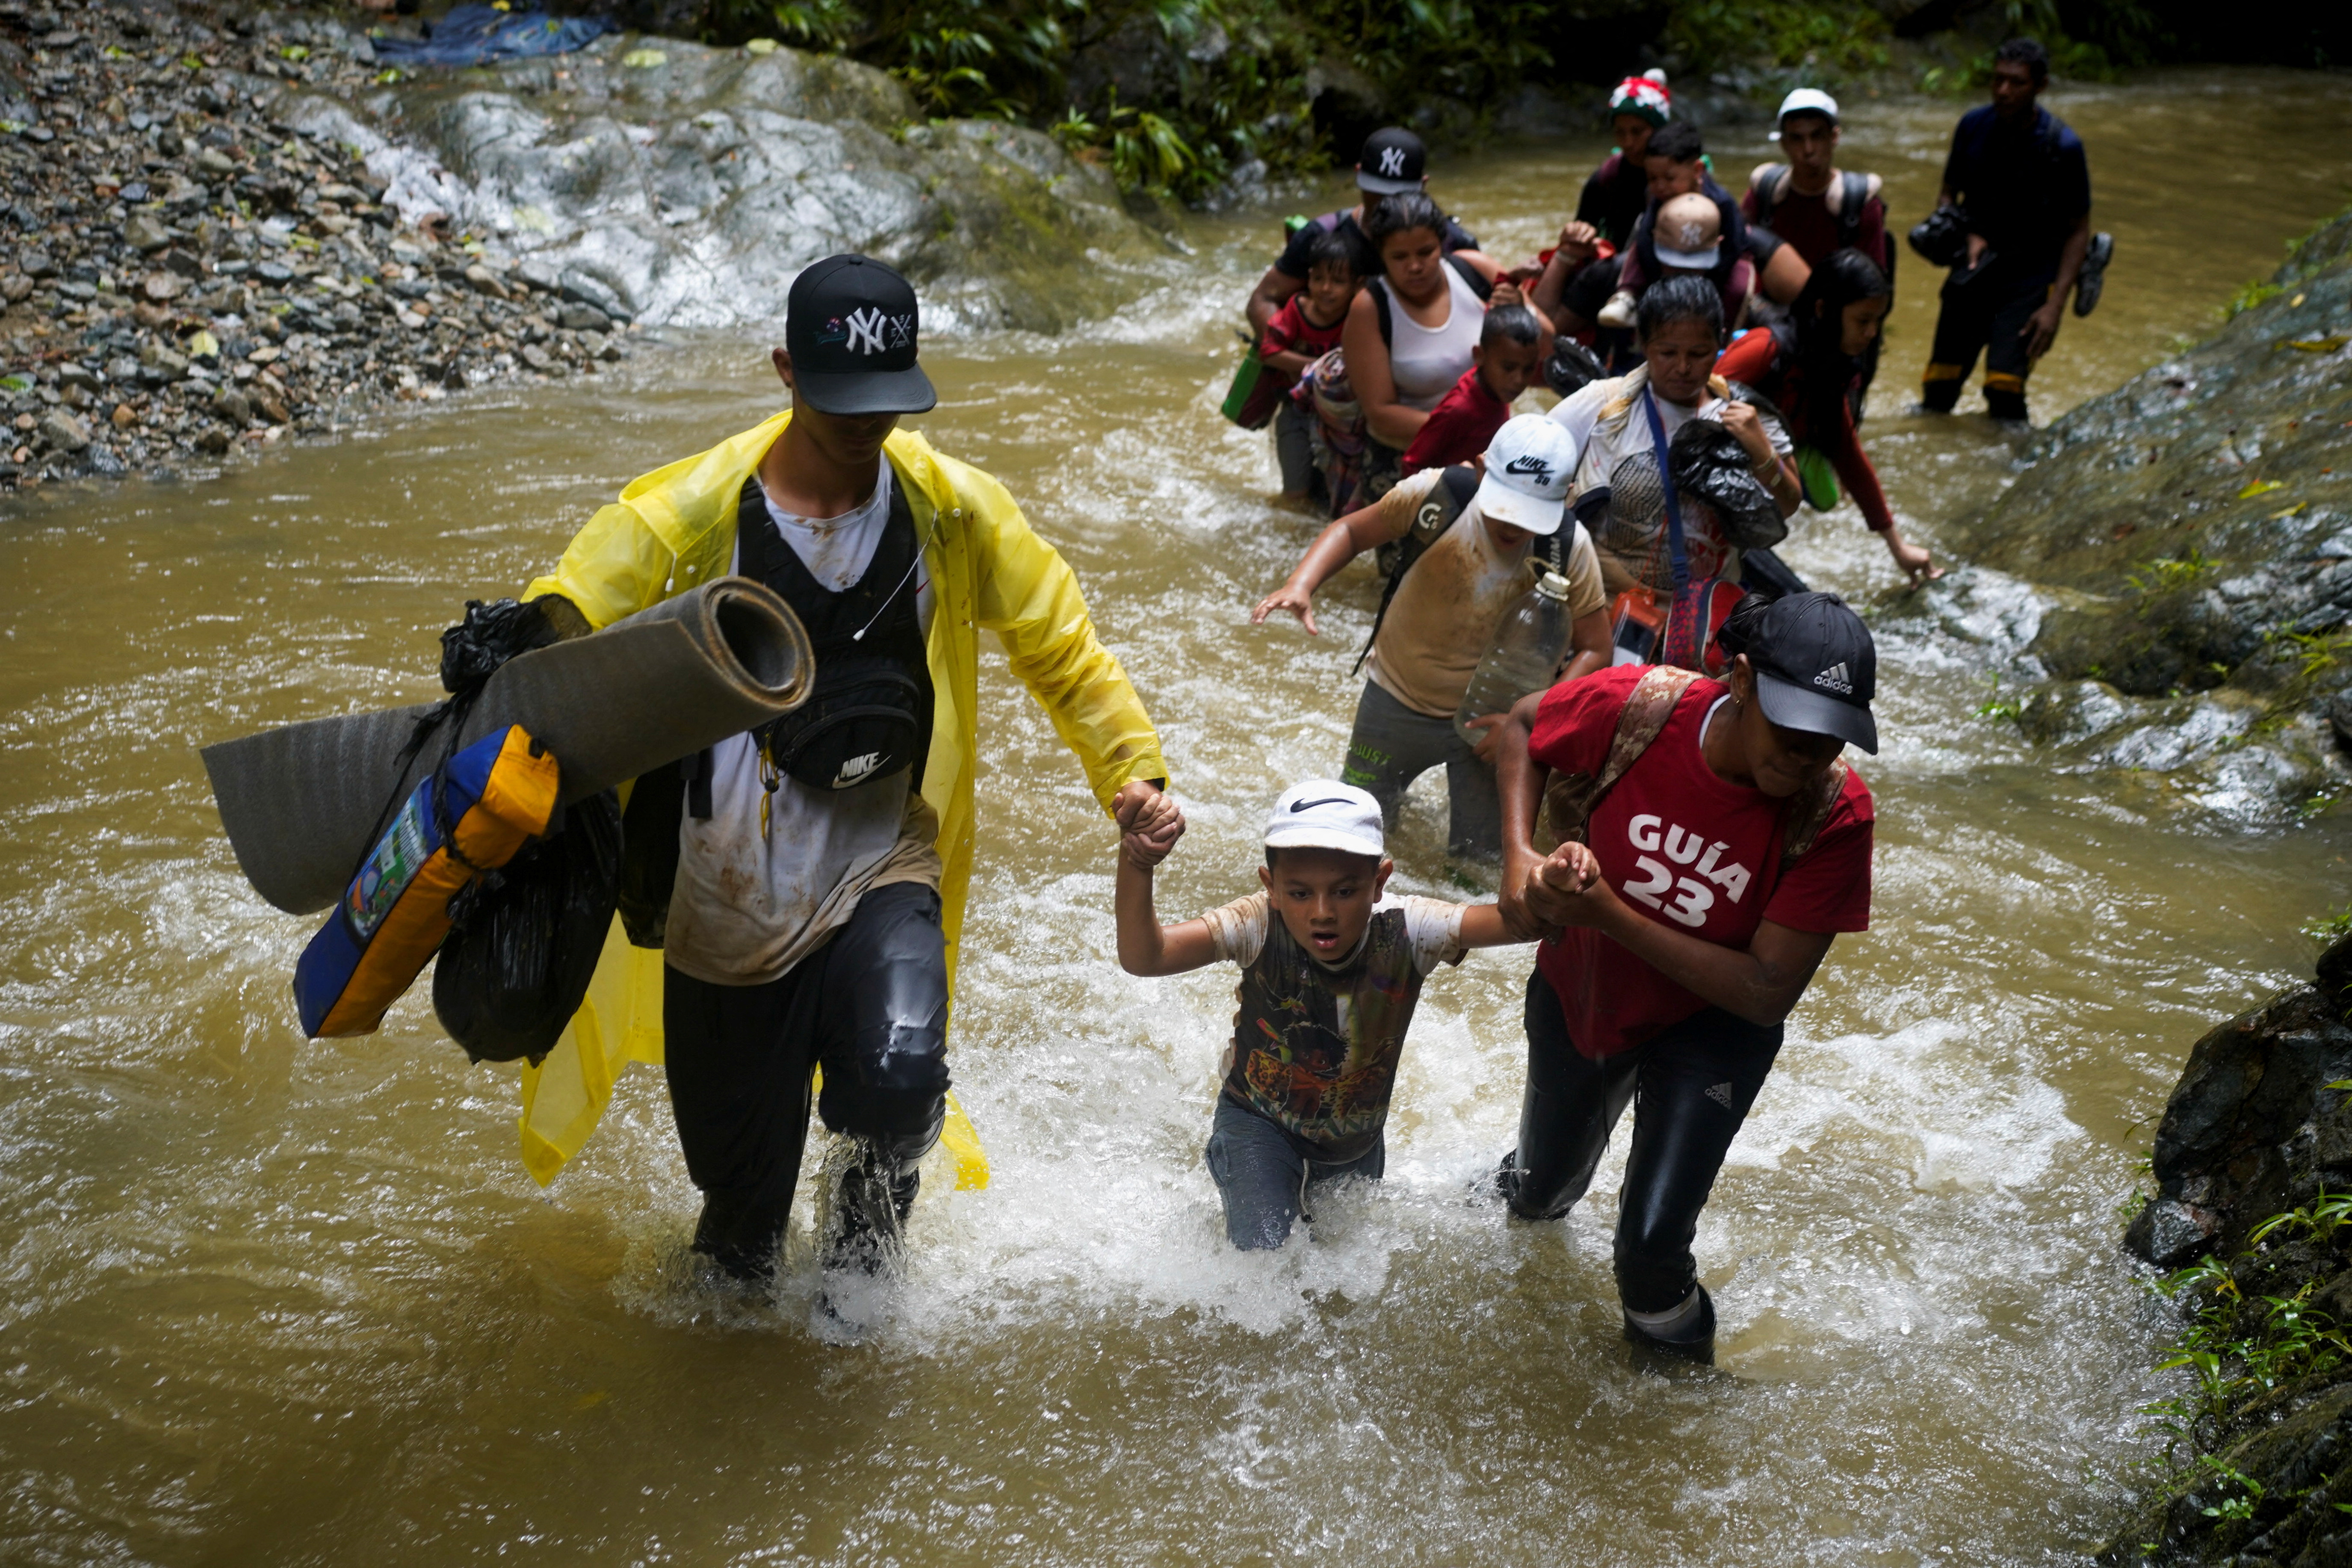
(1819, 209)
(1469, 552)
(1331, 970)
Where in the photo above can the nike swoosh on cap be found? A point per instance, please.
(1298, 805)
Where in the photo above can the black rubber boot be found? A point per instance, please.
(1505, 1185)
(739, 1236)
(2006, 406)
(870, 1209)
(1692, 1343)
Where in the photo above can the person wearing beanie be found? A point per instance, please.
(1724, 845)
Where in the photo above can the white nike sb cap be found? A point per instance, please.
(1529, 465)
(1324, 814)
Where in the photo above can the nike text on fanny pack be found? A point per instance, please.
(856, 768)
(868, 326)
(1834, 678)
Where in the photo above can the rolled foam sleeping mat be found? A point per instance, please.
(303, 802)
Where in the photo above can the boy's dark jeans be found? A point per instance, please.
(1263, 1176)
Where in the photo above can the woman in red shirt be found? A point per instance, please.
(1811, 365)
(1720, 861)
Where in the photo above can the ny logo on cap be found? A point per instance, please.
(1835, 678)
(1529, 464)
(1392, 162)
(867, 326)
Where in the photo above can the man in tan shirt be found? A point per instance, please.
(1473, 560)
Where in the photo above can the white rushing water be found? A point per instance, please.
(267, 1300)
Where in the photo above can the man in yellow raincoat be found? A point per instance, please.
(822, 863)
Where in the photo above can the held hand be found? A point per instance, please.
(1578, 242)
(1740, 419)
(2041, 330)
(1506, 292)
(1567, 890)
(1917, 562)
(1298, 601)
(1490, 736)
(1149, 823)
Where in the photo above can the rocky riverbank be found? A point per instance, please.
(228, 227)
(2253, 1161)
(2192, 534)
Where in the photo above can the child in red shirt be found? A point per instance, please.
(1728, 844)
(1305, 330)
(1506, 362)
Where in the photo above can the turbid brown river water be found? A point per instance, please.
(270, 1301)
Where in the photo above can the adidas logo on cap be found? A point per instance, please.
(1834, 678)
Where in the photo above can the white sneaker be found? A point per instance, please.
(1618, 314)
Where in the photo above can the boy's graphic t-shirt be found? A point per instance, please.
(1691, 851)
(1315, 1046)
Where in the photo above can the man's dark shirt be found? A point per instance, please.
(2022, 186)
(1614, 198)
(1294, 261)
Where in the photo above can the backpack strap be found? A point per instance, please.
(1809, 813)
(1443, 503)
(1570, 799)
(1853, 195)
(1471, 274)
(1768, 186)
(1379, 290)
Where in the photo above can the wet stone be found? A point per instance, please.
(63, 431)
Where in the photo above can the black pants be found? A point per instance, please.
(1987, 314)
(1690, 1089)
(870, 1005)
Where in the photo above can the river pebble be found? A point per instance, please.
(186, 277)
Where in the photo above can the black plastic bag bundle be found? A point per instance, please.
(1710, 465)
(1941, 238)
(1571, 367)
(524, 939)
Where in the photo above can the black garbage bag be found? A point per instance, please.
(1941, 238)
(524, 939)
(1710, 465)
(491, 634)
(1572, 366)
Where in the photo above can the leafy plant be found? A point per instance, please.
(2166, 573)
(2248, 297)
(2329, 929)
(1996, 707)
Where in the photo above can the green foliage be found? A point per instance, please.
(2327, 930)
(1227, 77)
(1823, 39)
(2247, 298)
(1999, 708)
(2166, 573)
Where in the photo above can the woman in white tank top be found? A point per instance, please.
(1436, 315)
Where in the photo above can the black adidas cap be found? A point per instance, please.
(1816, 667)
(1392, 162)
(850, 326)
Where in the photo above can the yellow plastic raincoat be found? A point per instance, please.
(674, 529)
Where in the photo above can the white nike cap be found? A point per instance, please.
(1529, 465)
(1324, 814)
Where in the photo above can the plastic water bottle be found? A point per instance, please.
(1528, 646)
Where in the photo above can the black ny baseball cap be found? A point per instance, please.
(1816, 667)
(1392, 162)
(850, 326)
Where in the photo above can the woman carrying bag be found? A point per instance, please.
(1670, 554)
(1725, 843)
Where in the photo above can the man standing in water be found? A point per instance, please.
(821, 863)
(2022, 186)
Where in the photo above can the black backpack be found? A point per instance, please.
(1771, 183)
(1444, 502)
